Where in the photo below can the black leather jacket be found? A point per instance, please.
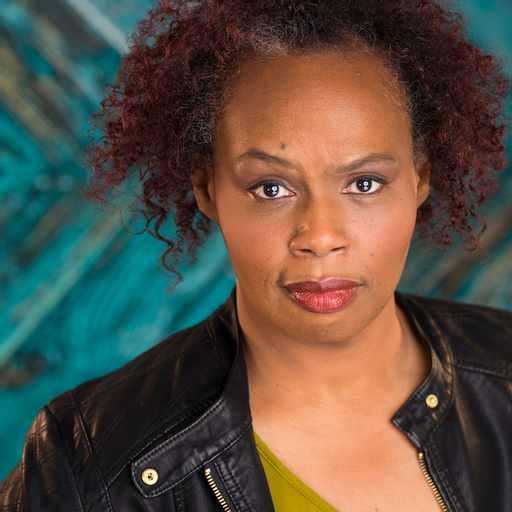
(171, 430)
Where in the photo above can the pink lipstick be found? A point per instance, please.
(323, 296)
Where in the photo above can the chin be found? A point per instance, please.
(338, 326)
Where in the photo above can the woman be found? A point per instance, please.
(317, 136)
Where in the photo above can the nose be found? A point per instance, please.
(320, 229)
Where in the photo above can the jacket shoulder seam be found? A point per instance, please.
(132, 375)
(76, 494)
(91, 452)
(495, 371)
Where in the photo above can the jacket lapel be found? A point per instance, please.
(221, 439)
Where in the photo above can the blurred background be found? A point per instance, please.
(78, 296)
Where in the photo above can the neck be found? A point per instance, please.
(373, 372)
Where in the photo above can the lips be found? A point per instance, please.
(326, 296)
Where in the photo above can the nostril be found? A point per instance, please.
(306, 245)
(320, 229)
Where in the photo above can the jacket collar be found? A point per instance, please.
(216, 430)
(229, 418)
(429, 404)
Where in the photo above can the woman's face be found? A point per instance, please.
(315, 191)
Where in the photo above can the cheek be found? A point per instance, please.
(254, 244)
(388, 238)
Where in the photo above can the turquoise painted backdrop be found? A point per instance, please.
(78, 296)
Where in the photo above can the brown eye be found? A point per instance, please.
(364, 185)
(271, 190)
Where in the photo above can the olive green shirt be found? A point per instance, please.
(288, 493)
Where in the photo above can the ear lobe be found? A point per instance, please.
(423, 168)
(204, 192)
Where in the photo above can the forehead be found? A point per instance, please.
(343, 98)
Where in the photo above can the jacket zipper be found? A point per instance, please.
(215, 489)
(421, 457)
(430, 482)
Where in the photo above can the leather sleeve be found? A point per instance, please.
(43, 480)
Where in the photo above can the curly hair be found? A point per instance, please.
(158, 119)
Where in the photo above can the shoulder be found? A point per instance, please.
(111, 420)
(480, 337)
(84, 439)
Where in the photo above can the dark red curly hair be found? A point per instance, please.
(158, 119)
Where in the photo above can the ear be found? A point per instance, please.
(423, 168)
(204, 192)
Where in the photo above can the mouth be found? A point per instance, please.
(326, 296)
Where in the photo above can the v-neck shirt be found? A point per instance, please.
(287, 491)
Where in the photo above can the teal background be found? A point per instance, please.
(78, 296)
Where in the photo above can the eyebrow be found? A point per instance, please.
(352, 166)
(265, 157)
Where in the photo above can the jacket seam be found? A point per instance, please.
(76, 495)
(425, 385)
(203, 419)
(452, 489)
(145, 434)
(134, 450)
(145, 371)
(149, 435)
(449, 358)
(496, 373)
(235, 483)
(179, 499)
(453, 391)
(164, 489)
(18, 502)
(92, 454)
(14, 507)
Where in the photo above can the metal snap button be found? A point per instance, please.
(432, 401)
(149, 476)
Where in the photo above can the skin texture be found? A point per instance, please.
(324, 386)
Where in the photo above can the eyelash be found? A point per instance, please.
(271, 183)
(369, 177)
(261, 184)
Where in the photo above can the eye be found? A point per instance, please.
(270, 190)
(364, 185)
